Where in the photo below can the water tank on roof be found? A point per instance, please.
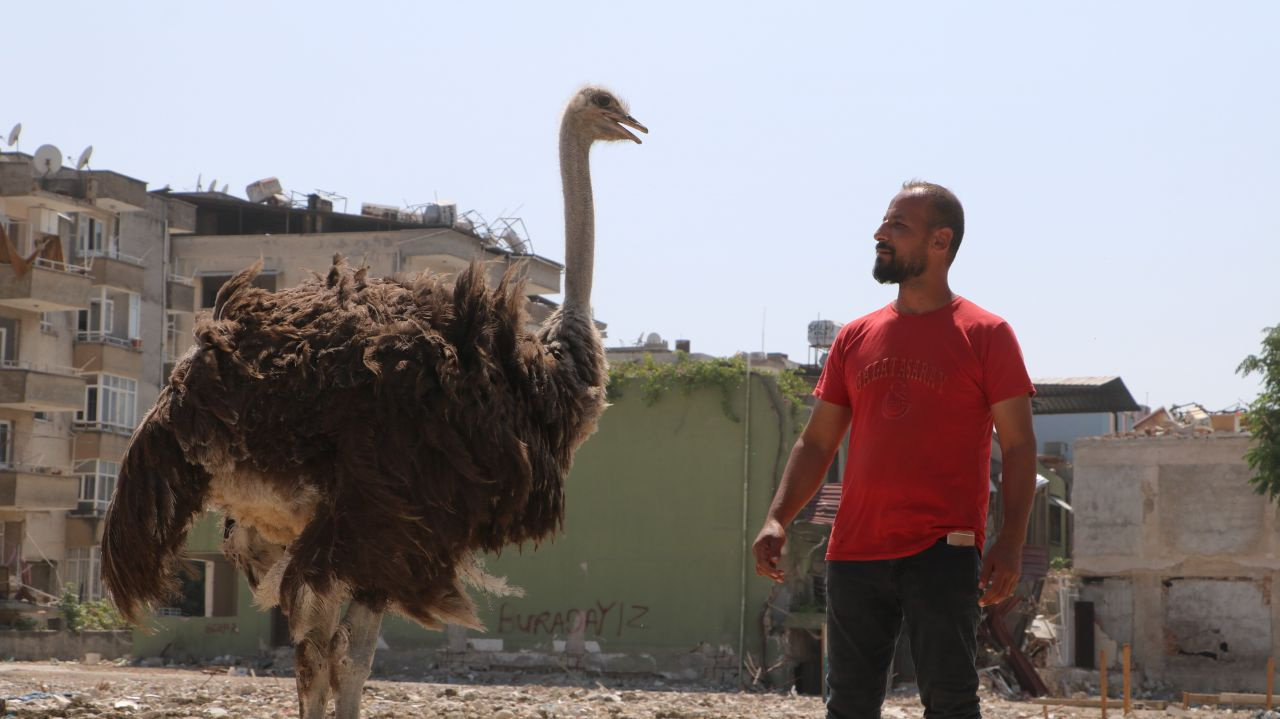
(264, 189)
(822, 333)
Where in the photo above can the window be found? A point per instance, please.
(173, 340)
(97, 482)
(91, 239)
(46, 323)
(97, 321)
(135, 315)
(6, 443)
(84, 570)
(112, 401)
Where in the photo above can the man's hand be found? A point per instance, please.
(768, 549)
(1001, 568)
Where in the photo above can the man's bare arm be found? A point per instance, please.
(801, 479)
(1002, 565)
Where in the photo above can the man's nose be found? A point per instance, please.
(881, 234)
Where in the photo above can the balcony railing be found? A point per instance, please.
(28, 468)
(105, 338)
(82, 425)
(10, 364)
(112, 253)
(61, 266)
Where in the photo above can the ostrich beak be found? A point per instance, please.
(625, 121)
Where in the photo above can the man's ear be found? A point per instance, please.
(941, 239)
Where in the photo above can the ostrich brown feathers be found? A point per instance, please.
(379, 431)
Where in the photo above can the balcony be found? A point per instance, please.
(101, 352)
(97, 441)
(37, 388)
(46, 286)
(180, 294)
(116, 269)
(37, 489)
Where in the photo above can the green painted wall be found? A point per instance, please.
(652, 557)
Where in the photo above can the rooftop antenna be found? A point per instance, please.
(48, 160)
(83, 162)
(14, 134)
(199, 186)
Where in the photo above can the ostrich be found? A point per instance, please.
(366, 439)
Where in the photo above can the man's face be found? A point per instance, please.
(902, 239)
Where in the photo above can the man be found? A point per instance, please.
(922, 380)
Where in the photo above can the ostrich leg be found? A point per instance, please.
(352, 656)
(312, 624)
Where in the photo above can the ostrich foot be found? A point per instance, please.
(351, 657)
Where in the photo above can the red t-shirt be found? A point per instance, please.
(921, 389)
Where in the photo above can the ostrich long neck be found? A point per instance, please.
(579, 218)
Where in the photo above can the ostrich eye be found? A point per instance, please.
(601, 100)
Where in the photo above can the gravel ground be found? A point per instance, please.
(72, 690)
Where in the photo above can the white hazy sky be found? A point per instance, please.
(1117, 161)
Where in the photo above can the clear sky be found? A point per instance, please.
(1117, 161)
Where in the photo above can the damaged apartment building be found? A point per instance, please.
(87, 287)
(1175, 554)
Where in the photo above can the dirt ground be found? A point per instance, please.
(49, 690)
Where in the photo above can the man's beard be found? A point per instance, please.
(893, 272)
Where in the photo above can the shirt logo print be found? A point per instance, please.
(897, 401)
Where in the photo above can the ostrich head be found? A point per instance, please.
(597, 114)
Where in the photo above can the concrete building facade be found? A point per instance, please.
(85, 282)
(1179, 557)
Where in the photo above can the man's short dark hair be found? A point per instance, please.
(947, 211)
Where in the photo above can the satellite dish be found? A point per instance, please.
(48, 160)
(225, 186)
(213, 186)
(83, 162)
(14, 133)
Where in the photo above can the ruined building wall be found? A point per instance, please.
(1179, 556)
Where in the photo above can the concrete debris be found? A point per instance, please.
(1186, 420)
(105, 691)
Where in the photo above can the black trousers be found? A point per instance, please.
(936, 591)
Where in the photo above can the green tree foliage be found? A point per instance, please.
(94, 615)
(1263, 416)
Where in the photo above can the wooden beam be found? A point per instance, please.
(1102, 681)
(1128, 704)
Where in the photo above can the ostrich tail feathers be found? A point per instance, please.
(157, 496)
